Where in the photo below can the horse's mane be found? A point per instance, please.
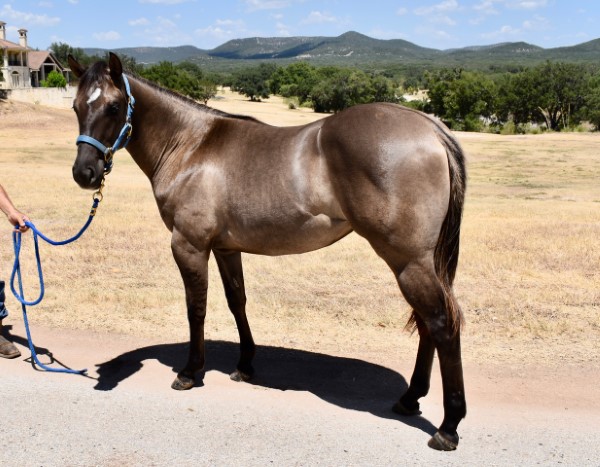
(97, 72)
(189, 101)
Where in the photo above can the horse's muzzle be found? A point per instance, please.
(88, 176)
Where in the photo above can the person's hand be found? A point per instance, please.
(17, 218)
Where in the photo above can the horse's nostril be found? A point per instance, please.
(91, 176)
(85, 176)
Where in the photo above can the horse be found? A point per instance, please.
(230, 184)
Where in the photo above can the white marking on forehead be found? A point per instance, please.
(94, 95)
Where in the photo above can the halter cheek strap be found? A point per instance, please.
(123, 138)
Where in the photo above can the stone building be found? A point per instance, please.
(22, 67)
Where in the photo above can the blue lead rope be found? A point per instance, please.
(16, 272)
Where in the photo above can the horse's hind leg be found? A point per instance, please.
(230, 267)
(421, 378)
(422, 289)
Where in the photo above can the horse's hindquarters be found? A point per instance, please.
(391, 177)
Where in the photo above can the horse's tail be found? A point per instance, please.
(447, 247)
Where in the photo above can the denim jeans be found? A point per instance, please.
(3, 310)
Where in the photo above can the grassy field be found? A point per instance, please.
(528, 277)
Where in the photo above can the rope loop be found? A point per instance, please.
(16, 273)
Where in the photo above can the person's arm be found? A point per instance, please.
(15, 217)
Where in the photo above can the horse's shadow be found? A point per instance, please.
(346, 382)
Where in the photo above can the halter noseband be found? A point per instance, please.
(122, 139)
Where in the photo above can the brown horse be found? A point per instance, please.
(231, 184)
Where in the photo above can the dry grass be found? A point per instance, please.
(528, 278)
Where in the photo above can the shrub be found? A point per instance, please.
(54, 80)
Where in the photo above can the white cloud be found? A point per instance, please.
(439, 14)
(537, 23)
(254, 5)
(504, 32)
(401, 11)
(282, 29)
(487, 7)
(386, 34)
(107, 36)
(163, 32)
(435, 32)
(529, 4)
(222, 29)
(163, 2)
(139, 22)
(442, 19)
(442, 7)
(319, 17)
(166, 23)
(27, 19)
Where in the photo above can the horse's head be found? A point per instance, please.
(103, 105)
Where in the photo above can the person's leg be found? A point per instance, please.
(7, 348)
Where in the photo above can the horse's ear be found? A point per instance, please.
(116, 69)
(76, 68)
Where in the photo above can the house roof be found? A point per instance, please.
(38, 57)
(4, 44)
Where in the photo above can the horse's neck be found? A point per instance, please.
(160, 125)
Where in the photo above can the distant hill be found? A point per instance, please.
(350, 44)
(150, 55)
(355, 49)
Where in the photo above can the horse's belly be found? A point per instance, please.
(284, 239)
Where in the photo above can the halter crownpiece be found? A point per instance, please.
(123, 138)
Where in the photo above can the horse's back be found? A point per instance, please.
(391, 173)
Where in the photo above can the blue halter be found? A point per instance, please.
(122, 139)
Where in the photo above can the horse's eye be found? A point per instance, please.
(112, 109)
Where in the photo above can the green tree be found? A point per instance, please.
(62, 50)
(163, 74)
(515, 97)
(254, 82)
(560, 87)
(185, 78)
(192, 68)
(341, 88)
(551, 93)
(295, 80)
(207, 90)
(54, 79)
(591, 109)
(130, 64)
(462, 98)
(205, 86)
(384, 89)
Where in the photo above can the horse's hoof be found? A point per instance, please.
(401, 409)
(239, 376)
(440, 442)
(182, 383)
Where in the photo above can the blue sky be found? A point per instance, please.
(440, 24)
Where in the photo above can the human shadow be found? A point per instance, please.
(346, 382)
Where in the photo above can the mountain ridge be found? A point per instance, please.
(355, 49)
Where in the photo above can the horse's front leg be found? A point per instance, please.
(193, 265)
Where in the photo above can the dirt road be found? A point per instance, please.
(304, 408)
